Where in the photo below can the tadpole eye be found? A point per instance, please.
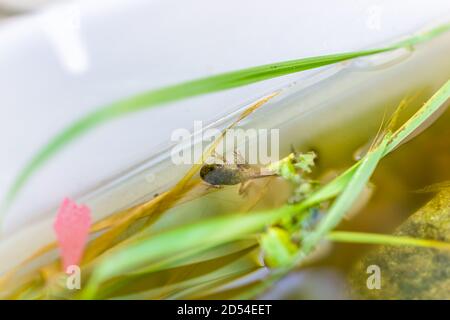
(207, 168)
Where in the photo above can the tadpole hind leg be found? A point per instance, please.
(212, 186)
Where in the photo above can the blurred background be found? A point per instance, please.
(13, 7)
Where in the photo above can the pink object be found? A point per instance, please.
(72, 224)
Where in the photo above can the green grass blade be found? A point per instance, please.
(421, 117)
(188, 272)
(185, 90)
(383, 239)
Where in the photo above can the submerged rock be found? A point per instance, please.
(410, 272)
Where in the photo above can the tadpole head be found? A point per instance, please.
(207, 168)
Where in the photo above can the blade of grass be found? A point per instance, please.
(185, 258)
(174, 291)
(185, 90)
(435, 105)
(188, 268)
(384, 239)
